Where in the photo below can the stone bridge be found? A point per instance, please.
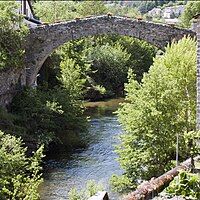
(43, 40)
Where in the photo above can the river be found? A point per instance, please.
(95, 162)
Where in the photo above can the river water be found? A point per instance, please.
(95, 162)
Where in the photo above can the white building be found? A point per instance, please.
(26, 10)
(155, 12)
(168, 12)
(174, 11)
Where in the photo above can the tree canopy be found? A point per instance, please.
(12, 33)
(192, 8)
(19, 174)
(163, 105)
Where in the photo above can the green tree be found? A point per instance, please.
(141, 52)
(36, 112)
(44, 114)
(111, 63)
(19, 175)
(84, 194)
(55, 11)
(12, 33)
(94, 8)
(162, 106)
(127, 11)
(192, 8)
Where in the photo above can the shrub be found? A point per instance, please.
(186, 185)
(19, 175)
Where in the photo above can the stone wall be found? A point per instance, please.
(198, 76)
(196, 28)
(11, 82)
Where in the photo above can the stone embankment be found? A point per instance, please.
(11, 82)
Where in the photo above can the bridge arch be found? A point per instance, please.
(43, 40)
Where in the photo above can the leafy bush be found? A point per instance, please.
(84, 194)
(12, 33)
(44, 114)
(111, 64)
(191, 9)
(186, 185)
(19, 175)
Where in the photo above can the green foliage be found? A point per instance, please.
(55, 11)
(192, 8)
(145, 6)
(141, 52)
(105, 71)
(35, 114)
(95, 67)
(46, 113)
(127, 11)
(186, 185)
(11, 39)
(92, 8)
(7, 123)
(121, 184)
(191, 142)
(19, 175)
(84, 194)
(111, 65)
(75, 195)
(71, 73)
(52, 11)
(163, 105)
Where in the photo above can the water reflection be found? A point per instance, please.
(97, 161)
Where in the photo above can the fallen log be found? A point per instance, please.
(149, 189)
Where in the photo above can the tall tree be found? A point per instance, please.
(162, 106)
(192, 8)
(12, 33)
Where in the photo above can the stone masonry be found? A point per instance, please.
(43, 40)
(196, 28)
(11, 82)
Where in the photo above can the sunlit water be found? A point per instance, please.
(95, 162)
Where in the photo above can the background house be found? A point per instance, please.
(172, 12)
(155, 12)
(168, 12)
